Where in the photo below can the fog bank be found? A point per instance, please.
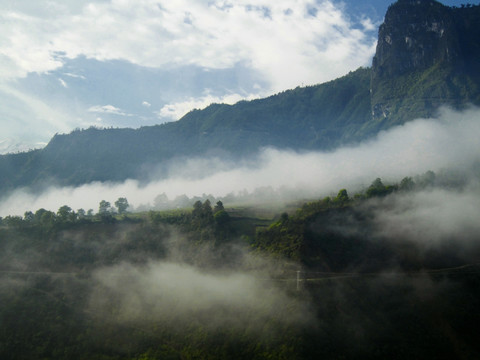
(449, 142)
(178, 294)
(431, 217)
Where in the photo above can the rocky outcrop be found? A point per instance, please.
(416, 34)
(422, 52)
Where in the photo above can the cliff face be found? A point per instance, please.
(423, 58)
(415, 35)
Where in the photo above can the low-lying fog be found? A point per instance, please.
(447, 143)
(179, 291)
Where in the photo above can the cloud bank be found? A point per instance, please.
(448, 143)
(289, 41)
(431, 217)
(177, 294)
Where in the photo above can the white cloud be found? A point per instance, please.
(63, 83)
(25, 45)
(146, 104)
(108, 109)
(43, 117)
(368, 24)
(11, 145)
(29, 119)
(75, 76)
(289, 46)
(173, 293)
(430, 217)
(408, 150)
(176, 110)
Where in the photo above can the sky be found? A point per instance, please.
(67, 64)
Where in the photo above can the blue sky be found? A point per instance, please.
(67, 64)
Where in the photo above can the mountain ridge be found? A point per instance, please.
(427, 55)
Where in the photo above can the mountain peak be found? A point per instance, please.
(426, 51)
(415, 35)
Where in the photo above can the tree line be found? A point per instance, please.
(65, 214)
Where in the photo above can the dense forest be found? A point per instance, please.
(329, 279)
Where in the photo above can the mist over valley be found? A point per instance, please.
(447, 143)
(336, 220)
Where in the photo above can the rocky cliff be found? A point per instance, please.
(427, 55)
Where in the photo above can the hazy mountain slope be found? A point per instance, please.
(427, 55)
(316, 117)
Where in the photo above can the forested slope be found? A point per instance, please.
(213, 283)
(316, 117)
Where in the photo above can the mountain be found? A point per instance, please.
(427, 55)
(316, 117)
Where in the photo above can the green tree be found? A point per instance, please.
(202, 214)
(407, 184)
(197, 209)
(13, 221)
(122, 205)
(376, 188)
(207, 211)
(104, 208)
(342, 197)
(45, 217)
(81, 213)
(65, 213)
(221, 217)
(218, 207)
(39, 213)
(29, 216)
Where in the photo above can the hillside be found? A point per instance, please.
(316, 117)
(427, 56)
(331, 280)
